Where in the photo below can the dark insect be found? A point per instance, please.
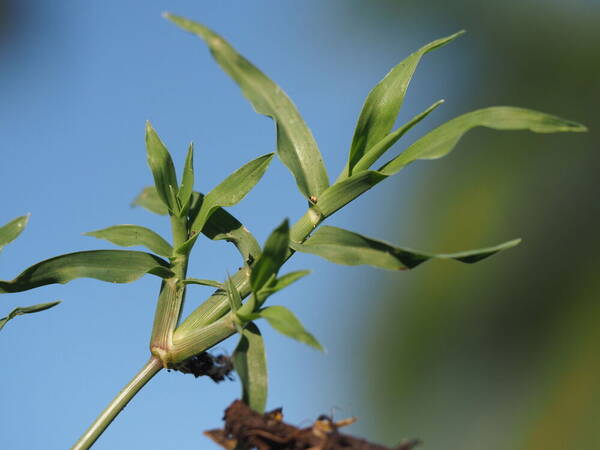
(216, 367)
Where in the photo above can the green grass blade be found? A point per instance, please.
(443, 139)
(149, 199)
(201, 282)
(281, 283)
(284, 321)
(377, 150)
(187, 179)
(115, 266)
(250, 362)
(12, 230)
(345, 247)
(272, 257)
(346, 190)
(384, 102)
(162, 168)
(232, 190)
(130, 235)
(296, 145)
(235, 300)
(26, 310)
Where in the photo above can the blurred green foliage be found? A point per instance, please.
(502, 355)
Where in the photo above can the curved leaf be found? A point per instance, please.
(162, 167)
(345, 247)
(187, 180)
(150, 200)
(115, 266)
(272, 257)
(377, 150)
(346, 190)
(130, 235)
(232, 189)
(296, 145)
(201, 282)
(444, 138)
(284, 321)
(250, 362)
(12, 230)
(384, 102)
(26, 310)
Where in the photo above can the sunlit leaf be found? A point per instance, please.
(284, 321)
(281, 283)
(377, 150)
(115, 266)
(250, 362)
(296, 145)
(235, 300)
(187, 180)
(384, 102)
(345, 247)
(344, 191)
(162, 167)
(26, 310)
(12, 230)
(150, 200)
(202, 282)
(444, 138)
(130, 235)
(272, 257)
(232, 190)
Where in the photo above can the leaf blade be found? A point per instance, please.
(187, 179)
(10, 231)
(26, 310)
(296, 146)
(131, 235)
(162, 167)
(348, 248)
(250, 362)
(383, 103)
(272, 257)
(150, 200)
(116, 266)
(286, 322)
(443, 139)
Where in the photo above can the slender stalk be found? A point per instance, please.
(151, 368)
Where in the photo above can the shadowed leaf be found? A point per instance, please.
(115, 266)
(272, 257)
(346, 190)
(345, 247)
(26, 310)
(187, 180)
(296, 145)
(250, 362)
(130, 235)
(150, 200)
(284, 321)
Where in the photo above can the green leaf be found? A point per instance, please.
(26, 310)
(296, 145)
(272, 257)
(201, 282)
(377, 150)
(444, 138)
(223, 226)
(187, 180)
(346, 190)
(281, 283)
(233, 295)
(284, 321)
(150, 200)
(130, 235)
(345, 247)
(384, 102)
(250, 362)
(162, 167)
(12, 230)
(232, 190)
(115, 266)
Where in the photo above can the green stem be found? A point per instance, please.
(151, 368)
